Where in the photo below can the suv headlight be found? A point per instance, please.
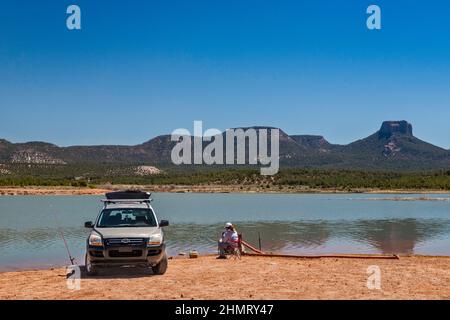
(95, 240)
(155, 240)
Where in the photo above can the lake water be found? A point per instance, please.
(288, 223)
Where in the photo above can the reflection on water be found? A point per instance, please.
(400, 236)
(304, 224)
(384, 236)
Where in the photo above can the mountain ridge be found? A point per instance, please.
(392, 147)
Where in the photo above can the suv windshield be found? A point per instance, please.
(126, 217)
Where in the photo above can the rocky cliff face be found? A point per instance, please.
(35, 153)
(391, 131)
(34, 157)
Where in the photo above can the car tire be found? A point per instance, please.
(90, 269)
(161, 267)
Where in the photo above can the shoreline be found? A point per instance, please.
(340, 256)
(410, 277)
(100, 190)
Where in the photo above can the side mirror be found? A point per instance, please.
(164, 223)
(88, 224)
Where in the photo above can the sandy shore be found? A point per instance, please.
(195, 189)
(42, 191)
(249, 278)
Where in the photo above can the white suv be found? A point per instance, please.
(126, 232)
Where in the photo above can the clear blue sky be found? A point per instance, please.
(138, 69)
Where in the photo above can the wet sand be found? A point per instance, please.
(414, 277)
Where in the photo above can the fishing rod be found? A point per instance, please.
(72, 259)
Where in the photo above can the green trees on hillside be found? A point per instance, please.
(84, 176)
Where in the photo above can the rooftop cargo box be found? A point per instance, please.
(128, 194)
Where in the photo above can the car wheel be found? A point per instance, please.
(161, 267)
(90, 269)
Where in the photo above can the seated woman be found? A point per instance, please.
(228, 242)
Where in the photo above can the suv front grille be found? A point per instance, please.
(124, 242)
(118, 254)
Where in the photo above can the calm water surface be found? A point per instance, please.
(289, 223)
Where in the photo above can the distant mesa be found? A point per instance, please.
(389, 128)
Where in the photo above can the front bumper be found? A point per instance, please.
(126, 255)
